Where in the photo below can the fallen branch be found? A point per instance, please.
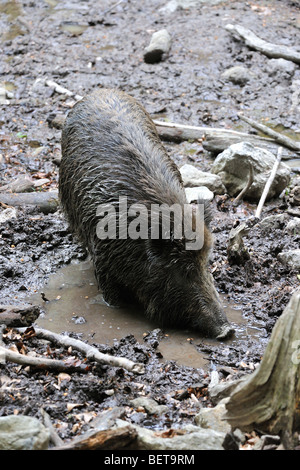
(195, 132)
(267, 48)
(108, 439)
(46, 201)
(39, 362)
(268, 184)
(280, 138)
(89, 351)
(215, 139)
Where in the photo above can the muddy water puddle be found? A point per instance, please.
(72, 302)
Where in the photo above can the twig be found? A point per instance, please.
(89, 351)
(59, 89)
(280, 138)
(267, 48)
(249, 184)
(200, 130)
(39, 362)
(268, 184)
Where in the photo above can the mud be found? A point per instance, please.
(81, 47)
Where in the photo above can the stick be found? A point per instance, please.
(268, 184)
(198, 130)
(216, 139)
(249, 184)
(59, 89)
(46, 201)
(39, 362)
(89, 351)
(267, 48)
(280, 138)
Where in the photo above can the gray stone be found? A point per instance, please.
(23, 433)
(150, 405)
(193, 177)
(280, 65)
(214, 418)
(238, 74)
(199, 193)
(232, 165)
(290, 258)
(22, 184)
(7, 214)
(293, 227)
(273, 221)
(187, 438)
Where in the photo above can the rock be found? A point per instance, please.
(290, 258)
(188, 438)
(199, 193)
(106, 419)
(150, 405)
(173, 5)
(295, 98)
(232, 166)
(273, 221)
(293, 227)
(193, 177)
(7, 214)
(280, 65)
(22, 184)
(41, 182)
(238, 74)
(3, 95)
(158, 48)
(214, 418)
(23, 433)
(294, 196)
(267, 441)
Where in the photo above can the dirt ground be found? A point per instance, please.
(82, 45)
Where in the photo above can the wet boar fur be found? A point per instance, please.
(110, 148)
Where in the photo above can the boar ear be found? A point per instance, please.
(207, 211)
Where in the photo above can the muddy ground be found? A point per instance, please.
(81, 45)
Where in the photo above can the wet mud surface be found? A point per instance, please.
(81, 47)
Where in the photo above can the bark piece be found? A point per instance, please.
(109, 439)
(18, 315)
